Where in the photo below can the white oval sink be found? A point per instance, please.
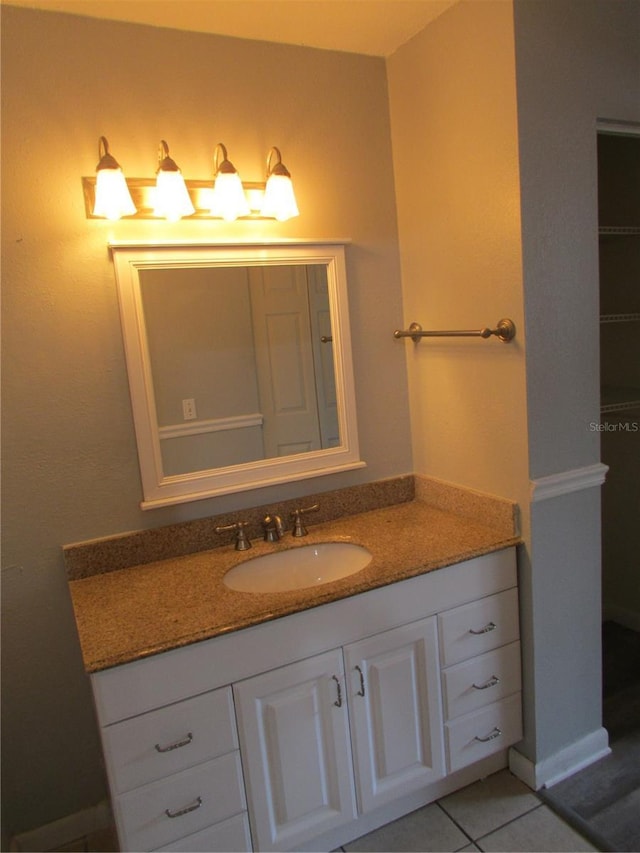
(298, 568)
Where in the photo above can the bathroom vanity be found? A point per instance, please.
(301, 720)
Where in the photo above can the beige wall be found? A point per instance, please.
(453, 111)
(70, 468)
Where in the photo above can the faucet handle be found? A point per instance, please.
(242, 542)
(298, 527)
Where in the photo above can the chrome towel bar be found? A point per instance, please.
(505, 330)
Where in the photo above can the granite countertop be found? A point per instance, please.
(135, 612)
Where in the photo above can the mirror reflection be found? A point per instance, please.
(242, 363)
(239, 364)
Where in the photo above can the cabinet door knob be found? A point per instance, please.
(185, 810)
(338, 702)
(184, 742)
(361, 691)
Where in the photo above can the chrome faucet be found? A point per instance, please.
(273, 528)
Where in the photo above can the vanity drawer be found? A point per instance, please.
(165, 741)
(231, 836)
(185, 803)
(478, 627)
(483, 732)
(481, 680)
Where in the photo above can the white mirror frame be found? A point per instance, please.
(160, 490)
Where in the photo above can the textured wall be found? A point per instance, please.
(453, 112)
(70, 468)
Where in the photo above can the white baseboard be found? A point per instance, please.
(627, 618)
(65, 830)
(563, 764)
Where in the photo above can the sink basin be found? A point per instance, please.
(298, 568)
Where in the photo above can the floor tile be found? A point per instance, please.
(470, 848)
(423, 831)
(540, 830)
(484, 806)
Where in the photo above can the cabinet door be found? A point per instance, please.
(396, 718)
(294, 736)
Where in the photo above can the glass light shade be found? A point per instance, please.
(229, 200)
(172, 200)
(113, 198)
(279, 199)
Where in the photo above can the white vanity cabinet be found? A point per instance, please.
(295, 723)
(315, 728)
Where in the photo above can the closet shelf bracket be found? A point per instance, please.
(505, 330)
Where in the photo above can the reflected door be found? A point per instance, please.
(284, 359)
(322, 342)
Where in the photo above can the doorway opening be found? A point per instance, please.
(619, 274)
(619, 271)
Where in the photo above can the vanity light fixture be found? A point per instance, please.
(172, 200)
(279, 199)
(228, 199)
(168, 195)
(112, 196)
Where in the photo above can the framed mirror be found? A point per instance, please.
(239, 363)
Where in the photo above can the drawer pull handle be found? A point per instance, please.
(190, 808)
(492, 736)
(490, 626)
(361, 691)
(184, 742)
(338, 702)
(490, 683)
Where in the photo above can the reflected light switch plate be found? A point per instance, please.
(189, 410)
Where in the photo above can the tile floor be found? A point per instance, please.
(497, 814)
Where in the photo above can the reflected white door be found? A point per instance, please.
(284, 358)
(322, 338)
